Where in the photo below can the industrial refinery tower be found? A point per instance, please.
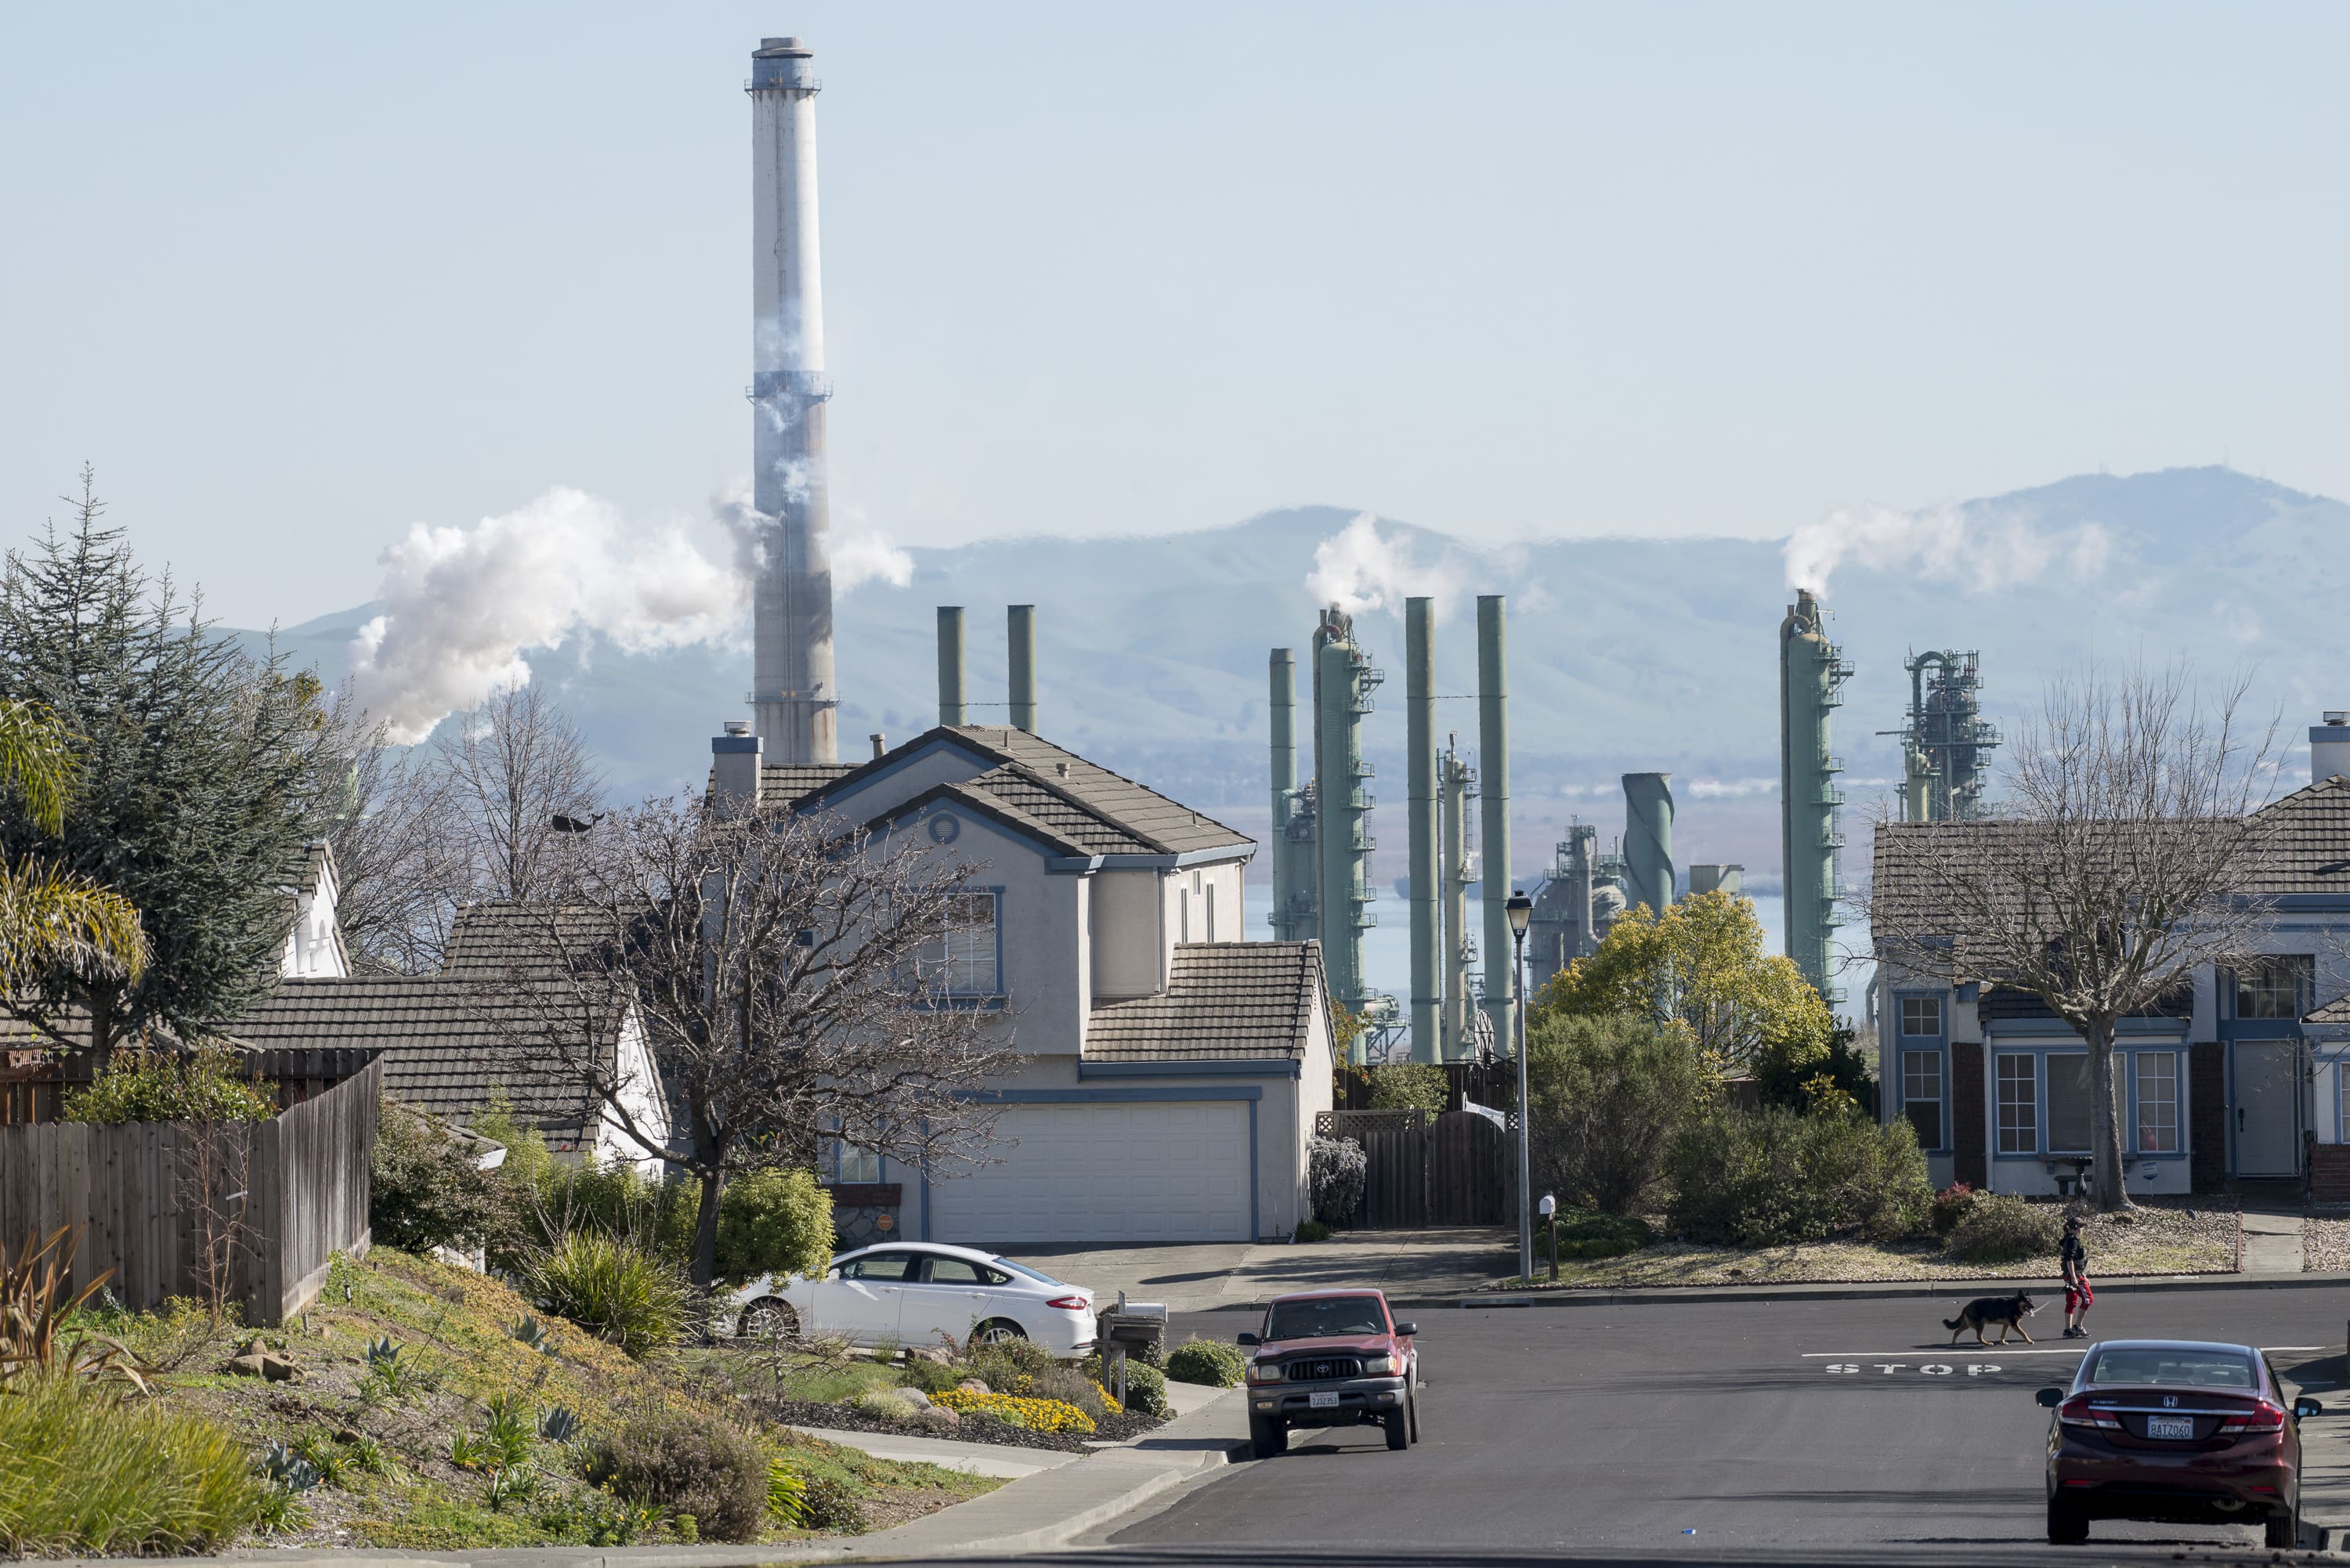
(1944, 737)
(793, 700)
(1812, 673)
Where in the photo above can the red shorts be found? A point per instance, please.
(2079, 1297)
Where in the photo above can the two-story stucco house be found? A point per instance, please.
(2240, 1076)
(1169, 1071)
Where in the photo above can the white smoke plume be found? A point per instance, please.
(1984, 554)
(466, 605)
(1731, 789)
(1357, 570)
(859, 555)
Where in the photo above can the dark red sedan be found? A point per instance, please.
(1331, 1358)
(2175, 1430)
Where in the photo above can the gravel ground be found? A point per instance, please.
(2166, 1238)
(2325, 1241)
(849, 1418)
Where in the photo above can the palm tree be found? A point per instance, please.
(50, 917)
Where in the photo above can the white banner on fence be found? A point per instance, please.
(1499, 1118)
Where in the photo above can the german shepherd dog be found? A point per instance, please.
(2008, 1312)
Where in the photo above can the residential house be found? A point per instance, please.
(2238, 1076)
(1169, 1071)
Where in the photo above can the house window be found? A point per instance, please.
(2019, 1104)
(2068, 1103)
(1212, 911)
(2157, 1102)
(1921, 1095)
(1183, 914)
(1922, 1017)
(963, 962)
(844, 1161)
(2276, 987)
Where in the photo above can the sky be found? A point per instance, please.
(296, 277)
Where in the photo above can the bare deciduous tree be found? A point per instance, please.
(2126, 853)
(399, 872)
(786, 969)
(509, 768)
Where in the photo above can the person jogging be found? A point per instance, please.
(2074, 1258)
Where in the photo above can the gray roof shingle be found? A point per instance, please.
(1225, 1002)
(1077, 799)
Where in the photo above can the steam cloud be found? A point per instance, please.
(1357, 570)
(466, 604)
(1731, 789)
(1987, 554)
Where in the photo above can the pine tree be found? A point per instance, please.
(202, 773)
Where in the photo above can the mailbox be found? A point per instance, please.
(1138, 1326)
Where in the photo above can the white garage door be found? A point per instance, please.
(1150, 1172)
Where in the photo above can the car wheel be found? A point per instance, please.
(767, 1316)
(2068, 1525)
(996, 1330)
(1399, 1429)
(2284, 1529)
(1267, 1437)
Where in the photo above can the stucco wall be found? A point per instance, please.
(1128, 939)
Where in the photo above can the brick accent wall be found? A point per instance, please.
(2329, 1172)
(1970, 1158)
(2207, 1118)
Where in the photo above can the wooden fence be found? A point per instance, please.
(255, 1210)
(34, 1084)
(1420, 1171)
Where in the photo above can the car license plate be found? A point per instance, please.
(1321, 1401)
(2172, 1427)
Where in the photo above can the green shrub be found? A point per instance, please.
(1772, 1177)
(885, 1405)
(2001, 1227)
(1335, 1168)
(1209, 1362)
(169, 1087)
(827, 1503)
(1070, 1386)
(1007, 1366)
(1609, 1096)
(1146, 1385)
(772, 1222)
(1950, 1206)
(616, 1291)
(787, 1495)
(1313, 1230)
(85, 1473)
(1584, 1235)
(425, 1192)
(1408, 1086)
(687, 1464)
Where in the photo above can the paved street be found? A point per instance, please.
(1769, 1426)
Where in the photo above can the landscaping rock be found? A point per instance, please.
(915, 1396)
(266, 1364)
(940, 1416)
(936, 1354)
(973, 1386)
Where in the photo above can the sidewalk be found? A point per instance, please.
(1420, 1265)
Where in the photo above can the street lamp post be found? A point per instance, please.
(1521, 910)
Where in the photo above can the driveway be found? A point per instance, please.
(1207, 1276)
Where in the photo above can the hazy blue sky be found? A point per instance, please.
(296, 277)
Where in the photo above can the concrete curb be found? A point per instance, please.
(1684, 1294)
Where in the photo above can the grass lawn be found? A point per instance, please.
(2162, 1240)
(452, 1324)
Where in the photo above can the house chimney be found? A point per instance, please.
(734, 767)
(880, 744)
(2329, 746)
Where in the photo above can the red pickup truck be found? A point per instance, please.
(1332, 1358)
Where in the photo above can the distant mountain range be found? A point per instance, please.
(1625, 654)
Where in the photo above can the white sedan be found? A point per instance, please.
(919, 1293)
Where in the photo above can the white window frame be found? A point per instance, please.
(1911, 1078)
(2175, 1099)
(2002, 1102)
(965, 963)
(2088, 1105)
(1901, 1021)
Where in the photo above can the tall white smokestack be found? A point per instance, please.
(794, 699)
